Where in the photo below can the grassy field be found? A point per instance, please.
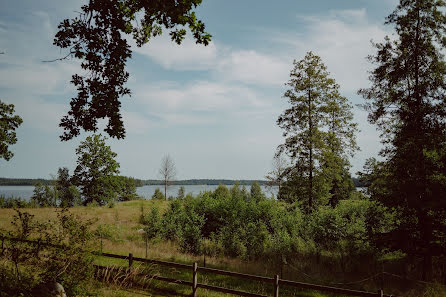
(122, 237)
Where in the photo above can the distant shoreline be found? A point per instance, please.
(154, 182)
(139, 182)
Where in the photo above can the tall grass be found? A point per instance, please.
(122, 223)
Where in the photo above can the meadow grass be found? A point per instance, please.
(122, 223)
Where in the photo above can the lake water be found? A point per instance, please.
(26, 192)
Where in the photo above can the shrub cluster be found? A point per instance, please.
(16, 202)
(52, 251)
(237, 223)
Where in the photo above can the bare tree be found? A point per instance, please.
(167, 172)
(279, 167)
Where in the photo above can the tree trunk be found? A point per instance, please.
(310, 126)
(426, 237)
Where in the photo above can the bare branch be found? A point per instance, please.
(167, 172)
(59, 59)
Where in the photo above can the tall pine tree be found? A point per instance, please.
(407, 102)
(340, 144)
(317, 130)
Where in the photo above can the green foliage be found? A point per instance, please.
(23, 181)
(229, 222)
(127, 188)
(256, 192)
(98, 37)
(69, 194)
(158, 195)
(191, 237)
(152, 223)
(106, 231)
(8, 124)
(181, 193)
(172, 220)
(16, 202)
(70, 265)
(319, 134)
(232, 222)
(222, 192)
(406, 101)
(96, 170)
(45, 196)
(277, 175)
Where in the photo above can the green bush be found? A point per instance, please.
(172, 221)
(106, 231)
(158, 195)
(191, 238)
(152, 223)
(62, 255)
(16, 202)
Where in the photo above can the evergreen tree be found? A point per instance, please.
(256, 192)
(317, 127)
(181, 193)
(340, 144)
(158, 195)
(407, 102)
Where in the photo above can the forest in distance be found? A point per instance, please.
(149, 182)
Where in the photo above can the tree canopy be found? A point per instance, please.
(96, 169)
(97, 36)
(407, 102)
(318, 130)
(8, 124)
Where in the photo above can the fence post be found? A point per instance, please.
(276, 286)
(381, 293)
(130, 260)
(194, 280)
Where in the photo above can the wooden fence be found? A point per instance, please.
(275, 281)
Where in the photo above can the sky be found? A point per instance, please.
(213, 109)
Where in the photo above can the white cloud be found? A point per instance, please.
(187, 56)
(135, 123)
(196, 96)
(230, 96)
(46, 24)
(37, 78)
(244, 66)
(342, 38)
(26, 81)
(252, 67)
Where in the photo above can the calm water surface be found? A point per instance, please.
(146, 191)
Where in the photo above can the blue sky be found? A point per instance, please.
(214, 108)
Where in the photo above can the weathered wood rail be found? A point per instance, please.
(195, 269)
(275, 281)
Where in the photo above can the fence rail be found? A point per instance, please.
(276, 281)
